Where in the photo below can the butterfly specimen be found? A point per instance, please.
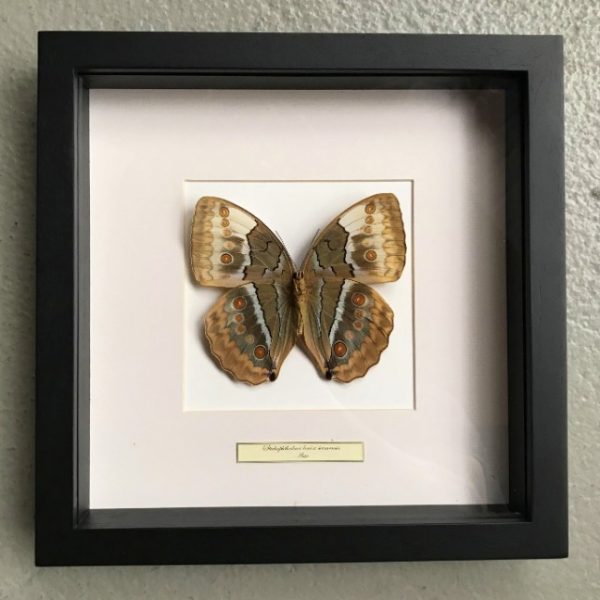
(343, 323)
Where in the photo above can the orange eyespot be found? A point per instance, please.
(359, 314)
(240, 329)
(369, 220)
(239, 317)
(370, 208)
(260, 352)
(358, 299)
(239, 303)
(224, 222)
(249, 339)
(340, 349)
(371, 255)
(357, 325)
(367, 229)
(226, 258)
(224, 211)
(226, 232)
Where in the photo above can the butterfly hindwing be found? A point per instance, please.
(251, 330)
(230, 246)
(347, 326)
(365, 243)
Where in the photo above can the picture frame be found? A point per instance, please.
(532, 524)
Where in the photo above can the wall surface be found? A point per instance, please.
(577, 577)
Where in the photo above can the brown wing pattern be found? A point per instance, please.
(251, 329)
(347, 324)
(365, 243)
(346, 327)
(230, 246)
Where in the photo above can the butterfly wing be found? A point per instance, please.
(365, 243)
(251, 329)
(346, 326)
(230, 246)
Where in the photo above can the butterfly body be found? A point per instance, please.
(343, 323)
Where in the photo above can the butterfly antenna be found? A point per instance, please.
(281, 241)
(312, 243)
(287, 251)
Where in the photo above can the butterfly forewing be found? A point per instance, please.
(365, 243)
(230, 246)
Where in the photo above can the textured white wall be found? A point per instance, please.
(577, 577)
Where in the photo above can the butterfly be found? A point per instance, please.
(343, 323)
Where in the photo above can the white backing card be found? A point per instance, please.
(145, 449)
(296, 210)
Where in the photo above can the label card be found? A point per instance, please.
(276, 452)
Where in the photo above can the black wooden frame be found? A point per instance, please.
(532, 525)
